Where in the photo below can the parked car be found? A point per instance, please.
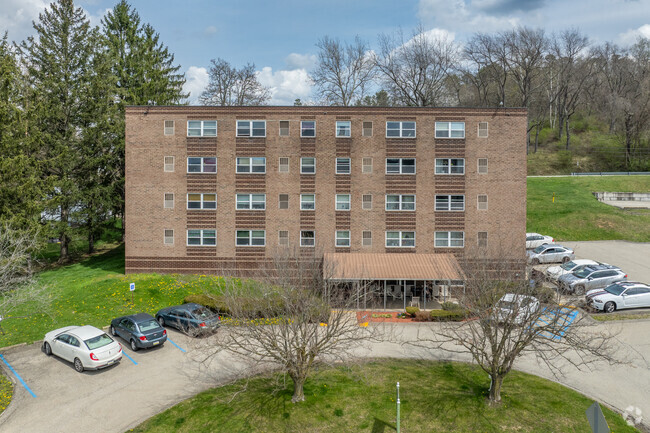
(555, 272)
(515, 308)
(617, 296)
(87, 347)
(189, 318)
(139, 330)
(550, 253)
(533, 240)
(590, 277)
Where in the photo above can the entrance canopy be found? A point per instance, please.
(394, 266)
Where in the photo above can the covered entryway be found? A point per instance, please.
(394, 281)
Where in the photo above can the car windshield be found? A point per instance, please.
(148, 325)
(615, 289)
(540, 248)
(202, 313)
(568, 266)
(99, 341)
(506, 305)
(582, 273)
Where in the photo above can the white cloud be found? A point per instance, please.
(197, 79)
(459, 16)
(96, 19)
(630, 37)
(286, 86)
(209, 30)
(16, 17)
(300, 61)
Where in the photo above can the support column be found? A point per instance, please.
(404, 289)
(384, 295)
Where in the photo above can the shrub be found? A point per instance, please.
(451, 306)
(448, 316)
(412, 310)
(208, 301)
(382, 316)
(423, 316)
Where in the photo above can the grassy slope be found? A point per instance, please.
(435, 396)
(577, 215)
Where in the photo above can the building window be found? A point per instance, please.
(169, 163)
(251, 201)
(454, 203)
(400, 239)
(367, 129)
(307, 202)
(482, 129)
(201, 201)
(169, 200)
(482, 166)
(308, 128)
(283, 200)
(342, 201)
(251, 165)
(202, 238)
(366, 202)
(366, 166)
(400, 165)
(400, 202)
(283, 167)
(284, 128)
(343, 238)
(342, 165)
(366, 239)
(482, 239)
(169, 237)
(343, 128)
(450, 129)
(482, 201)
(251, 128)
(201, 128)
(449, 239)
(250, 238)
(400, 129)
(450, 166)
(206, 164)
(307, 165)
(283, 238)
(307, 238)
(169, 127)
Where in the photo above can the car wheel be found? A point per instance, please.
(47, 348)
(134, 346)
(565, 259)
(535, 261)
(579, 290)
(610, 307)
(113, 333)
(78, 365)
(161, 321)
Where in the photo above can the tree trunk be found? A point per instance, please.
(495, 389)
(568, 137)
(91, 241)
(63, 238)
(298, 391)
(628, 140)
(536, 138)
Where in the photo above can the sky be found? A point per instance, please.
(280, 36)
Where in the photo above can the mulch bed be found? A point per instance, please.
(367, 316)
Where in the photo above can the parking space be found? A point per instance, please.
(631, 257)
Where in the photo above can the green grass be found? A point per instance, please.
(435, 397)
(576, 215)
(94, 291)
(6, 392)
(610, 317)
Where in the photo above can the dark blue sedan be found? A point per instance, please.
(140, 330)
(192, 319)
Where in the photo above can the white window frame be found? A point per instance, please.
(169, 167)
(203, 164)
(401, 166)
(451, 128)
(478, 165)
(280, 232)
(302, 165)
(343, 129)
(165, 201)
(478, 130)
(478, 240)
(363, 129)
(400, 202)
(202, 128)
(478, 202)
(241, 124)
(363, 238)
(250, 164)
(401, 130)
(202, 238)
(280, 201)
(449, 166)
(166, 238)
(313, 238)
(448, 203)
(165, 128)
(248, 200)
(303, 201)
(366, 168)
(342, 160)
(250, 238)
(364, 202)
(445, 237)
(281, 165)
(338, 238)
(343, 202)
(202, 202)
(400, 239)
(280, 128)
(303, 129)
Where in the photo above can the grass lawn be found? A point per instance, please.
(435, 396)
(6, 391)
(576, 215)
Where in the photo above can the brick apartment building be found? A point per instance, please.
(221, 189)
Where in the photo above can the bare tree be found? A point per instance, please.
(230, 86)
(292, 321)
(415, 71)
(344, 71)
(489, 54)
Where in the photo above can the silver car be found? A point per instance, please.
(87, 347)
(626, 294)
(533, 240)
(591, 277)
(551, 253)
(515, 308)
(553, 273)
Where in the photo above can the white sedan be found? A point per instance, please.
(516, 308)
(617, 296)
(87, 347)
(555, 272)
(533, 240)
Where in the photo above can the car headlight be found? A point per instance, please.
(598, 301)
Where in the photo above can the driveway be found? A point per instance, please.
(631, 257)
(119, 398)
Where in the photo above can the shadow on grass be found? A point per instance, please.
(380, 426)
(110, 261)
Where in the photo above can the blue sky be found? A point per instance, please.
(280, 36)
